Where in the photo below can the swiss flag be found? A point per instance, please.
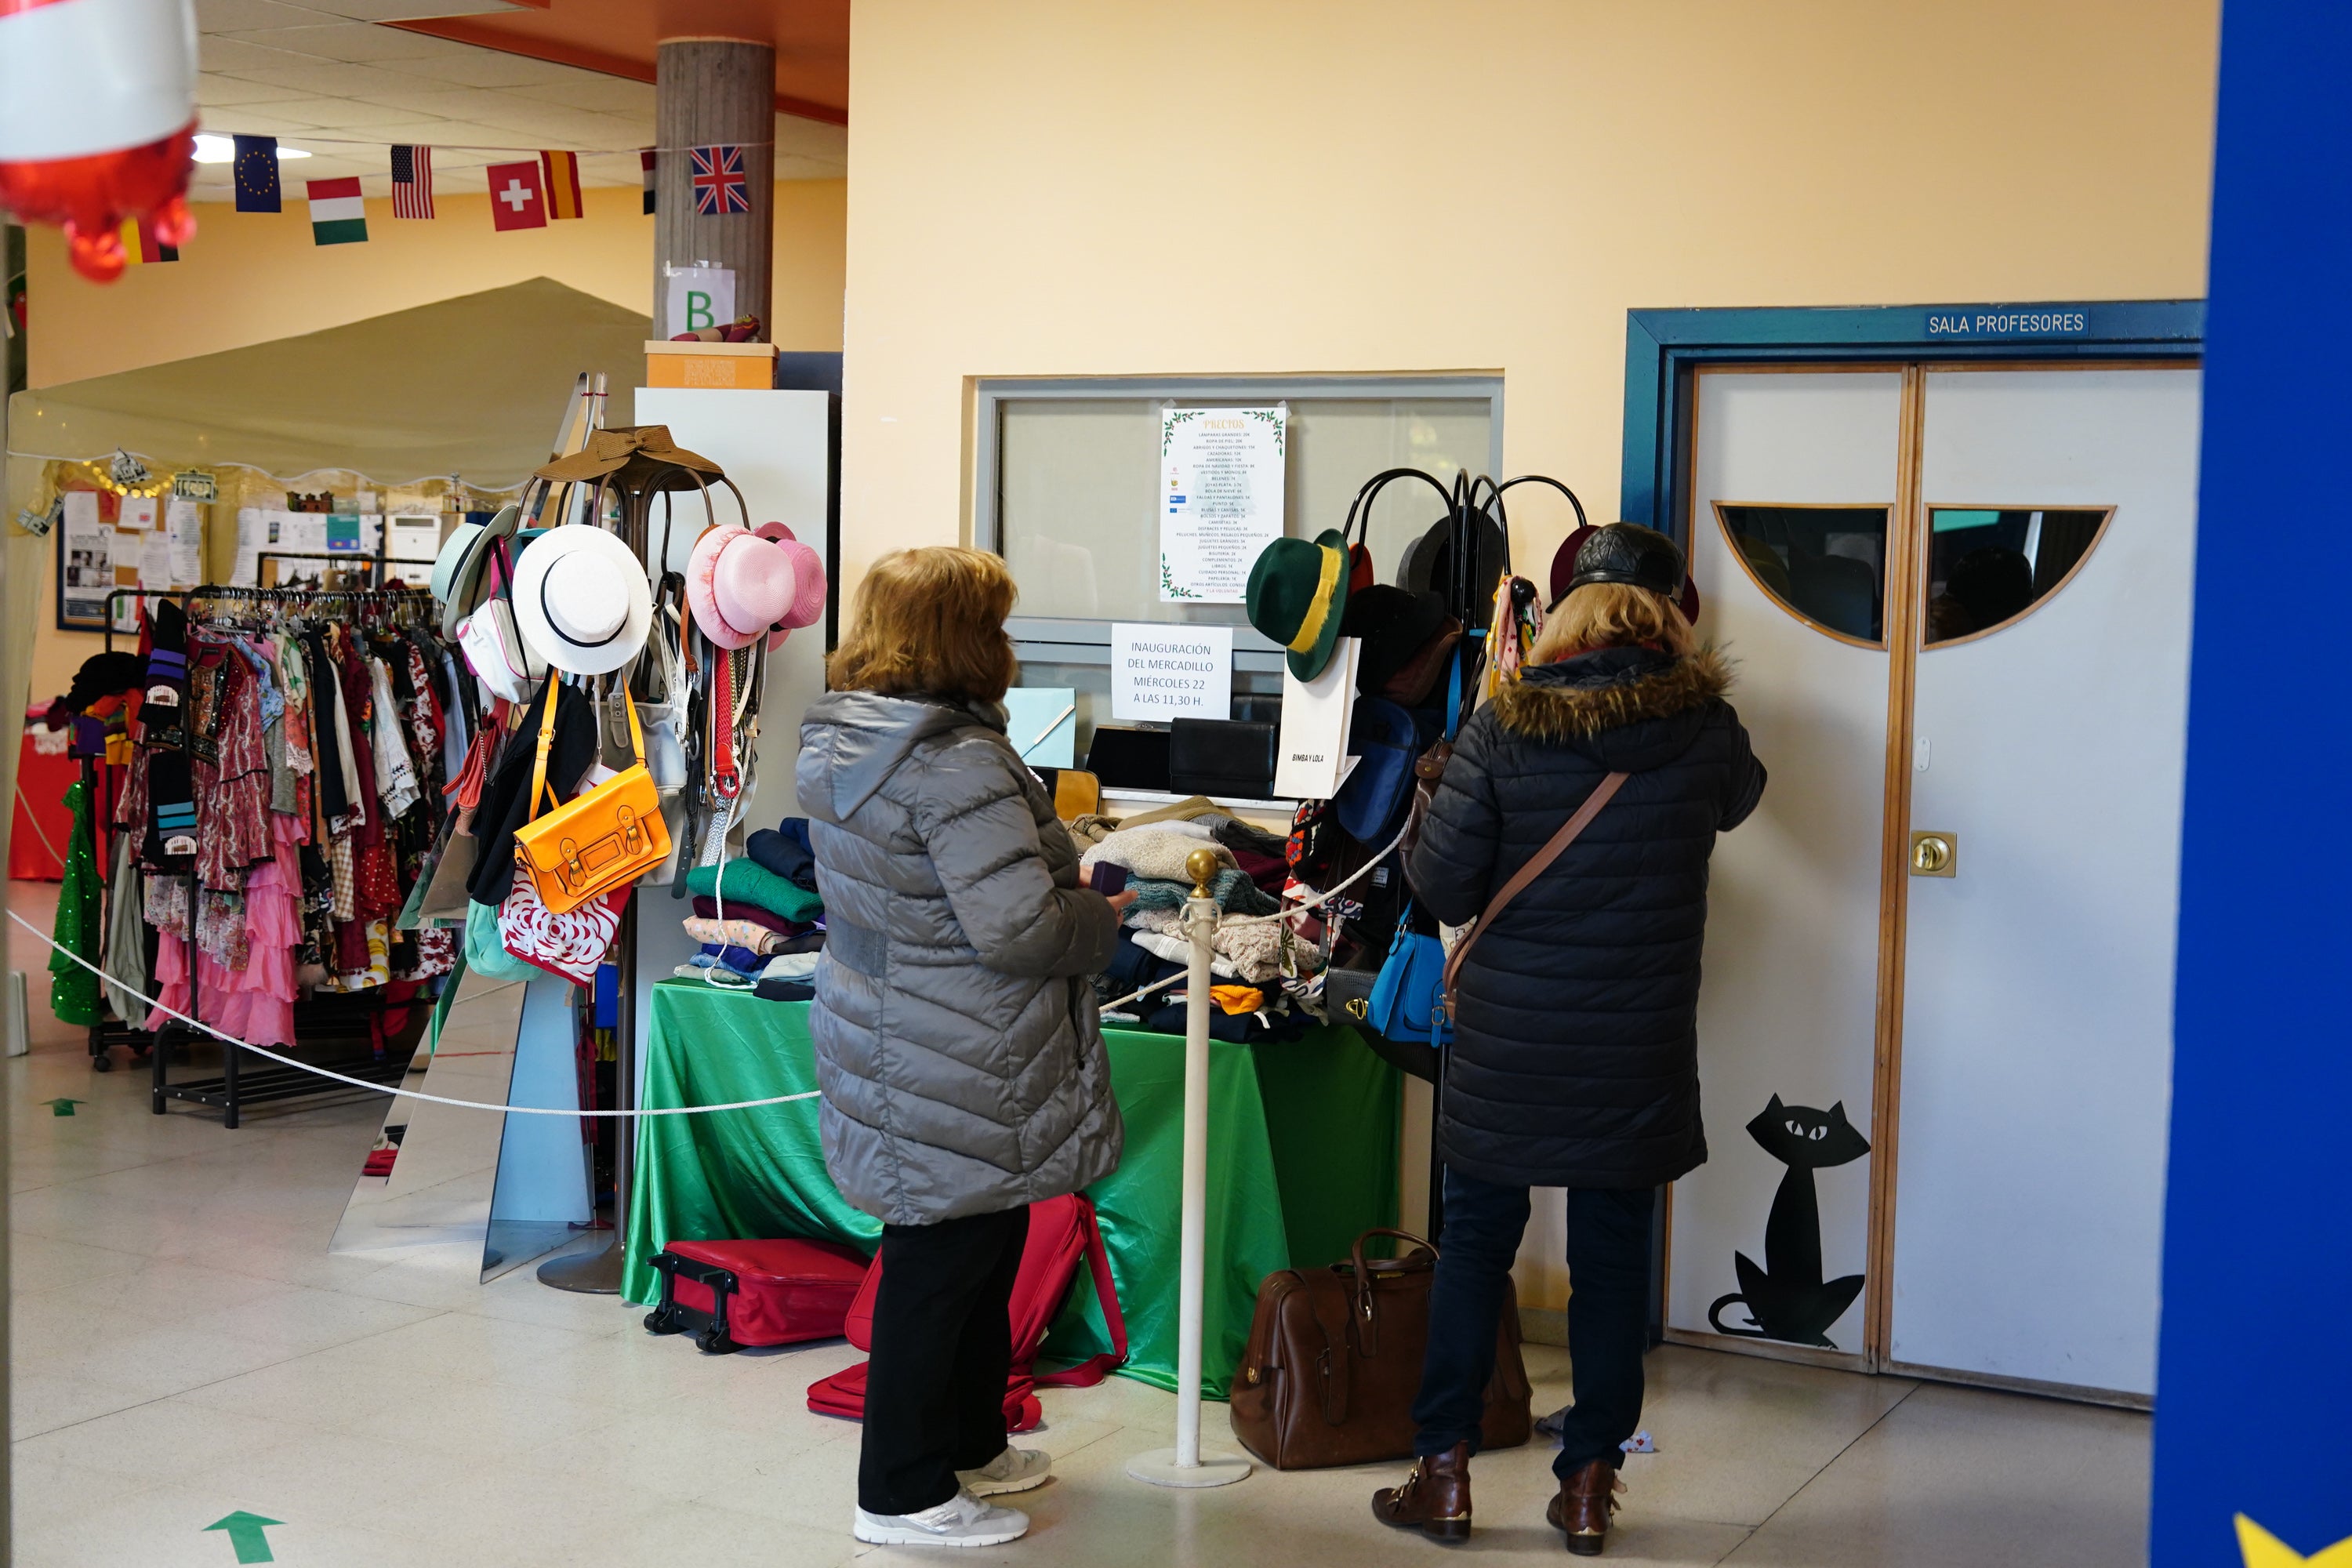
(518, 197)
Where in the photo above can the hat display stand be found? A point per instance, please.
(629, 465)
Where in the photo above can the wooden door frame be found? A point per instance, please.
(1664, 351)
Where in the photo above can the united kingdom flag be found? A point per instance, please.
(718, 184)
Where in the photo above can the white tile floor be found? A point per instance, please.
(185, 1347)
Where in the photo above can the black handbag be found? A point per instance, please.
(1229, 757)
(1124, 758)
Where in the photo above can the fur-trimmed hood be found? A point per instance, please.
(1578, 699)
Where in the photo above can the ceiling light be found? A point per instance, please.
(213, 148)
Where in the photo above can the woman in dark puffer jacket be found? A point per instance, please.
(1575, 1055)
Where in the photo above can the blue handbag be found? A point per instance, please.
(1408, 1001)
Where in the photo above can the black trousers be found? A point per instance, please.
(1608, 1315)
(942, 1346)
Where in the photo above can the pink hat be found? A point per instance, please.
(743, 585)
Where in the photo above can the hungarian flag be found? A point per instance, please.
(518, 198)
(337, 215)
(718, 184)
(645, 156)
(412, 182)
(562, 171)
(140, 245)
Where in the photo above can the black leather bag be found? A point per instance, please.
(1124, 758)
(1229, 757)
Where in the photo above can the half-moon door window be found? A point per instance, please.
(1826, 564)
(1988, 566)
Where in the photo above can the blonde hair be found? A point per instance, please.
(1613, 615)
(930, 620)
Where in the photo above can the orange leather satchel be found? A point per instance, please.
(601, 839)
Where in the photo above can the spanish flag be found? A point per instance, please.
(139, 244)
(562, 176)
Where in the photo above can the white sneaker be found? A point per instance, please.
(962, 1520)
(1014, 1470)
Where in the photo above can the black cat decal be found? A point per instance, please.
(1787, 1299)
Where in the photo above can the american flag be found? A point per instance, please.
(412, 182)
(718, 184)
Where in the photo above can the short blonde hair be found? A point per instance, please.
(1613, 615)
(931, 621)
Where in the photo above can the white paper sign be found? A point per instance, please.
(88, 560)
(1313, 753)
(1160, 672)
(251, 530)
(1220, 499)
(138, 512)
(414, 537)
(184, 526)
(155, 563)
(699, 297)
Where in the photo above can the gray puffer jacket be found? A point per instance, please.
(957, 1042)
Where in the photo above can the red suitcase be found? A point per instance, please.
(736, 1294)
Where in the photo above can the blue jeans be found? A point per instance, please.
(1608, 1314)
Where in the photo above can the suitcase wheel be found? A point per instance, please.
(663, 1319)
(713, 1341)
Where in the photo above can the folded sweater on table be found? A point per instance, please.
(1152, 853)
(1254, 948)
(738, 910)
(753, 883)
(737, 934)
(1234, 892)
(787, 857)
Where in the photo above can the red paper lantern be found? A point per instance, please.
(98, 120)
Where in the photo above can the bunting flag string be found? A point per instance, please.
(412, 182)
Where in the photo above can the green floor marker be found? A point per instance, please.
(245, 1534)
(62, 1106)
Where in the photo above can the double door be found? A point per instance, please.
(1935, 1026)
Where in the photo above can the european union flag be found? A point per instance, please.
(256, 174)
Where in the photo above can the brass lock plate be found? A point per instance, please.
(1934, 854)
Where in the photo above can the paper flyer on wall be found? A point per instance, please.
(1221, 492)
(183, 529)
(137, 513)
(86, 560)
(1312, 754)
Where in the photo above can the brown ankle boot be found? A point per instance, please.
(1435, 1496)
(1586, 1500)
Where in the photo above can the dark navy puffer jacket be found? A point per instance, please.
(1575, 1061)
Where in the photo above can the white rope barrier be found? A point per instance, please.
(1311, 905)
(388, 1088)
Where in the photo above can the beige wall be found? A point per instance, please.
(248, 278)
(1061, 186)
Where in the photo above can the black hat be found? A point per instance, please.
(1628, 553)
(1393, 625)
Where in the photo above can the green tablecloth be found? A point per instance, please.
(1302, 1156)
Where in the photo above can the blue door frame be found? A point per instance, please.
(1664, 348)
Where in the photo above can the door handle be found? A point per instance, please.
(1934, 854)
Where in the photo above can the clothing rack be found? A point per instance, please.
(337, 1018)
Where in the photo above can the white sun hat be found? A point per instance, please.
(580, 599)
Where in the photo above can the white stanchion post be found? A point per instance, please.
(1184, 1465)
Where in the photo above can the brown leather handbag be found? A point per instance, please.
(1333, 1363)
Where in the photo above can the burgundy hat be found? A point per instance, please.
(1563, 573)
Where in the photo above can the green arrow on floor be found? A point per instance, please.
(62, 1106)
(245, 1534)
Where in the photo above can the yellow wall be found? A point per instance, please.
(1054, 186)
(1059, 186)
(248, 278)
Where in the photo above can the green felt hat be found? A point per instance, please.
(1298, 595)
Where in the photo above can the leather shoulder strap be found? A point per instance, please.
(1540, 861)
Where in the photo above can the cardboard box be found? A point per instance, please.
(738, 365)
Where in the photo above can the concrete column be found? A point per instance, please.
(712, 93)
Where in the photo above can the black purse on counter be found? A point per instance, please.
(1229, 757)
(1124, 758)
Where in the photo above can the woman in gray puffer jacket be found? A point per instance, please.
(956, 1043)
